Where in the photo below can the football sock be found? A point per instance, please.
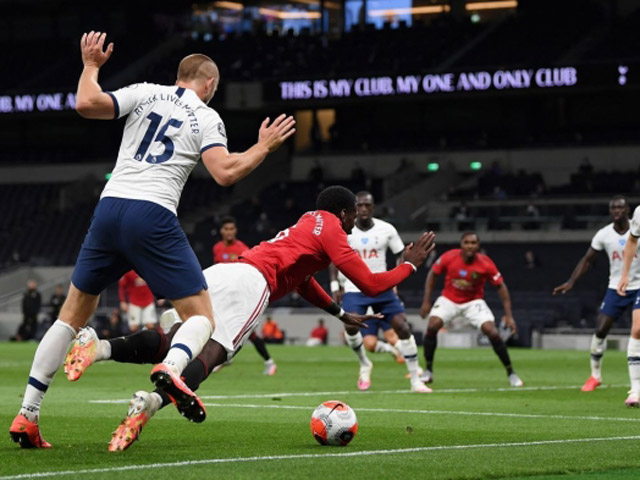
(598, 346)
(501, 350)
(260, 347)
(633, 358)
(383, 347)
(269, 362)
(145, 346)
(409, 351)
(103, 351)
(357, 345)
(46, 362)
(430, 344)
(188, 342)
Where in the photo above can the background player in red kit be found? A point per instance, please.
(240, 292)
(136, 300)
(466, 272)
(229, 250)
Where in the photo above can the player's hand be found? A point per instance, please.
(510, 323)
(564, 288)
(337, 296)
(91, 45)
(357, 320)
(425, 309)
(124, 307)
(274, 135)
(417, 252)
(622, 286)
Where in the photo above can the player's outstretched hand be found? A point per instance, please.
(274, 135)
(564, 288)
(91, 45)
(425, 309)
(357, 320)
(622, 286)
(417, 252)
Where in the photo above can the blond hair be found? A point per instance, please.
(197, 67)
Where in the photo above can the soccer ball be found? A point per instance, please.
(334, 423)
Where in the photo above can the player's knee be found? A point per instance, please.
(351, 330)
(435, 323)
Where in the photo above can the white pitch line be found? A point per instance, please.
(439, 412)
(319, 456)
(381, 392)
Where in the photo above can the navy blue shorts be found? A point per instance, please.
(135, 234)
(613, 305)
(387, 303)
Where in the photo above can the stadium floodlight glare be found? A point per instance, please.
(433, 166)
(475, 18)
(475, 165)
(491, 5)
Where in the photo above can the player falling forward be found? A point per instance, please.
(630, 257)
(610, 239)
(240, 292)
(229, 250)
(168, 129)
(136, 300)
(466, 271)
(370, 238)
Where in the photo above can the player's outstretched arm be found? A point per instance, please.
(91, 101)
(581, 268)
(334, 286)
(429, 286)
(630, 250)
(228, 168)
(313, 293)
(505, 298)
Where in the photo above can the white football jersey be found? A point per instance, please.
(613, 243)
(372, 246)
(635, 223)
(167, 130)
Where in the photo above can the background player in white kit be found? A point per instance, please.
(610, 239)
(633, 347)
(370, 238)
(134, 225)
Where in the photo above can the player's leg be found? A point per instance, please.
(430, 344)
(389, 345)
(407, 347)
(150, 316)
(488, 327)
(270, 366)
(358, 303)
(598, 346)
(633, 356)
(134, 318)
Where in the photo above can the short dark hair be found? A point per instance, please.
(334, 199)
(364, 193)
(468, 233)
(228, 219)
(618, 197)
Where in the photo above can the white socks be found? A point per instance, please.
(103, 351)
(633, 358)
(383, 347)
(356, 343)
(188, 342)
(409, 351)
(46, 362)
(598, 346)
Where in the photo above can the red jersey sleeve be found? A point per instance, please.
(493, 274)
(335, 244)
(441, 264)
(313, 293)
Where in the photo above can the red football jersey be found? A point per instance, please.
(226, 254)
(291, 258)
(133, 289)
(465, 281)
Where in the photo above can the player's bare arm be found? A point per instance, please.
(429, 285)
(91, 101)
(228, 168)
(336, 290)
(630, 249)
(505, 298)
(581, 268)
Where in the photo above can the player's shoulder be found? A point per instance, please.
(381, 224)
(636, 214)
(483, 258)
(607, 229)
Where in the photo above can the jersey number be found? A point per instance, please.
(162, 137)
(281, 235)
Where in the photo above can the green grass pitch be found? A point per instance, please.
(473, 426)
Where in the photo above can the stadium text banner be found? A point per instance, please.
(444, 83)
(42, 102)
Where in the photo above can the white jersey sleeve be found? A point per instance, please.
(215, 134)
(396, 245)
(127, 98)
(635, 223)
(598, 241)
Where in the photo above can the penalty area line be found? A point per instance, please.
(318, 456)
